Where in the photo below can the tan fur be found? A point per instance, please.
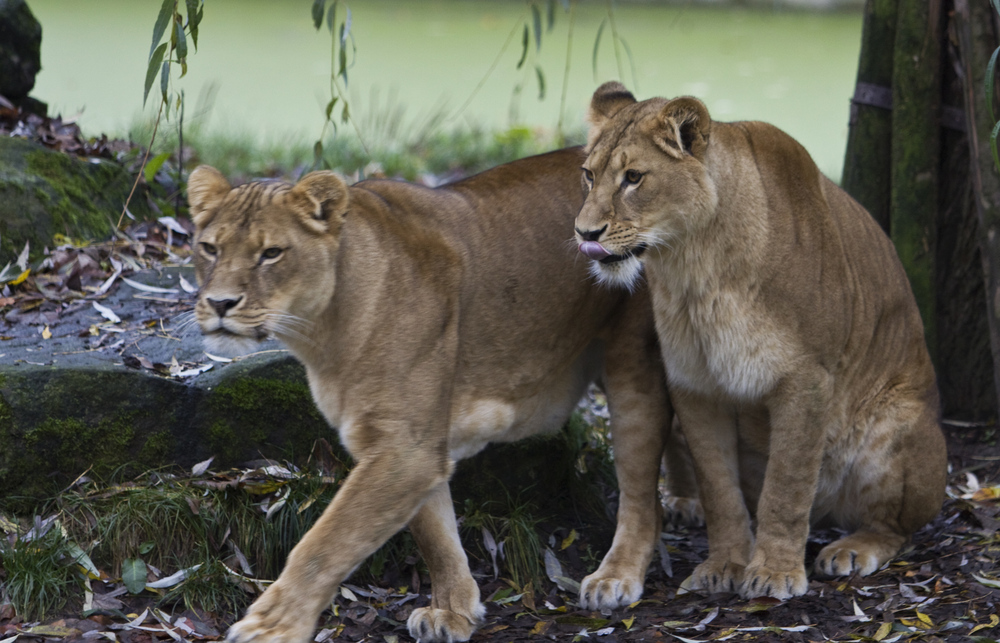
(792, 343)
(430, 323)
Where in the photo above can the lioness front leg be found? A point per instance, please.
(641, 417)
(379, 497)
(799, 412)
(711, 432)
(455, 610)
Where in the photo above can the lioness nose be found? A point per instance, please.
(222, 306)
(591, 235)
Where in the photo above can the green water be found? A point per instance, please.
(269, 69)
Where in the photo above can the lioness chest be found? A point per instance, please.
(717, 339)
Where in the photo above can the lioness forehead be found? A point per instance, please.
(626, 130)
(245, 203)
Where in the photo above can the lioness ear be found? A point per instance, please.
(322, 196)
(206, 188)
(608, 100)
(685, 127)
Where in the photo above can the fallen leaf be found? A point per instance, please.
(201, 467)
(541, 627)
(53, 631)
(186, 285)
(20, 278)
(568, 540)
(148, 288)
(46, 333)
(106, 313)
(22, 259)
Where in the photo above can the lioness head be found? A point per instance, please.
(646, 179)
(264, 255)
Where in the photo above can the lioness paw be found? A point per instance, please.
(282, 627)
(781, 584)
(837, 559)
(428, 624)
(715, 576)
(684, 511)
(603, 593)
(276, 617)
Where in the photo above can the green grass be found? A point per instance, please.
(40, 573)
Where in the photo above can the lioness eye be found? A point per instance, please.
(587, 174)
(208, 249)
(271, 253)
(632, 177)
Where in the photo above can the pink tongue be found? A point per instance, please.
(594, 250)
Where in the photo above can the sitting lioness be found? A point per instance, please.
(431, 322)
(793, 346)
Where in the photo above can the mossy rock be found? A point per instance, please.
(44, 192)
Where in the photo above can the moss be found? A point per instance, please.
(255, 415)
(157, 449)
(43, 192)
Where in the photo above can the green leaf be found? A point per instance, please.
(166, 12)
(990, 78)
(329, 107)
(165, 79)
(345, 29)
(154, 66)
(134, 575)
(343, 57)
(194, 19)
(565, 4)
(541, 82)
(319, 6)
(149, 545)
(152, 167)
(317, 154)
(597, 44)
(345, 115)
(536, 18)
(550, 8)
(993, 145)
(524, 47)
(182, 46)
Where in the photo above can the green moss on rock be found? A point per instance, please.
(44, 192)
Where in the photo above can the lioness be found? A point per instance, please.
(792, 343)
(430, 323)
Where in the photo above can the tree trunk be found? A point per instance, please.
(965, 363)
(977, 38)
(916, 140)
(868, 158)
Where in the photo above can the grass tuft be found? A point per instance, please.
(40, 571)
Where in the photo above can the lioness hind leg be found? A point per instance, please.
(680, 493)
(455, 610)
(889, 493)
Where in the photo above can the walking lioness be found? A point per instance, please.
(430, 323)
(792, 343)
